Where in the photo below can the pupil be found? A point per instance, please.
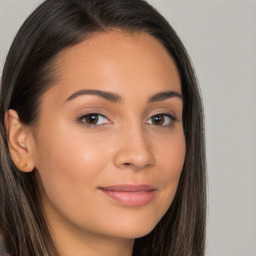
(158, 119)
(92, 119)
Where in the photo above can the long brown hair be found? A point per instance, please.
(28, 72)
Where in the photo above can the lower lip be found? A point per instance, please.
(139, 198)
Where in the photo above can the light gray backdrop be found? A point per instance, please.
(221, 39)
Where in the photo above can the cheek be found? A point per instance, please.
(70, 169)
(69, 166)
(171, 158)
(171, 153)
(72, 153)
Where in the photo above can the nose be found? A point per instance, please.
(134, 149)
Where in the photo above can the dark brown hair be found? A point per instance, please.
(28, 72)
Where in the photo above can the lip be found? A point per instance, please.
(130, 194)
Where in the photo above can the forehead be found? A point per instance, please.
(118, 61)
(114, 41)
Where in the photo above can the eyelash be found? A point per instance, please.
(172, 120)
(80, 120)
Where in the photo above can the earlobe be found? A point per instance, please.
(18, 136)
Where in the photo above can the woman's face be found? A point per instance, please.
(109, 146)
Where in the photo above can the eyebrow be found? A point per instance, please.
(161, 96)
(110, 96)
(116, 98)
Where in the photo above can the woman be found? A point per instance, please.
(102, 147)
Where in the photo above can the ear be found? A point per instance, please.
(20, 142)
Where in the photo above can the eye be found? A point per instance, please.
(94, 119)
(161, 120)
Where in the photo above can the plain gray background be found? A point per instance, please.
(221, 39)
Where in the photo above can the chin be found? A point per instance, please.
(134, 231)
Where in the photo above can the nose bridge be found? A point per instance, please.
(134, 146)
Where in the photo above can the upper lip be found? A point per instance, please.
(129, 187)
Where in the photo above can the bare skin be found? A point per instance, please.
(127, 131)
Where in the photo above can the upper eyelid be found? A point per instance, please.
(148, 116)
(93, 113)
(172, 115)
(105, 111)
(102, 113)
(161, 110)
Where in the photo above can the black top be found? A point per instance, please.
(2, 249)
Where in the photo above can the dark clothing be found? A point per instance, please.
(2, 249)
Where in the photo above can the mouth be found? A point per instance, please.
(129, 194)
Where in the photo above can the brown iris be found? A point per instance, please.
(92, 118)
(158, 119)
